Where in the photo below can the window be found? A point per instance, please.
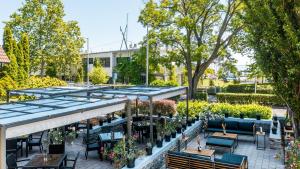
(105, 62)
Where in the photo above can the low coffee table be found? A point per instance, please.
(227, 136)
(205, 152)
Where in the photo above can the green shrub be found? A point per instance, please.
(249, 110)
(249, 88)
(247, 98)
(6, 83)
(195, 108)
(201, 96)
(159, 82)
(98, 75)
(41, 82)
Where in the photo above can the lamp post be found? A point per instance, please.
(147, 59)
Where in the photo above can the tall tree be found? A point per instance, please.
(26, 53)
(197, 31)
(273, 28)
(9, 43)
(51, 38)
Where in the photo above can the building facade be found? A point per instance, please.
(108, 59)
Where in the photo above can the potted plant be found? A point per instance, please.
(183, 123)
(197, 117)
(149, 148)
(189, 122)
(70, 136)
(168, 132)
(170, 115)
(288, 124)
(275, 118)
(274, 130)
(258, 116)
(275, 123)
(131, 158)
(173, 130)
(101, 122)
(108, 118)
(178, 127)
(56, 141)
(242, 115)
(159, 141)
(193, 119)
(226, 115)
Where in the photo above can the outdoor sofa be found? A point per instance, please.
(241, 127)
(221, 142)
(183, 160)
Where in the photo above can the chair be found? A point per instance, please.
(12, 146)
(11, 162)
(71, 160)
(91, 145)
(34, 142)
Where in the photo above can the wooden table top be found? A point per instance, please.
(54, 160)
(204, 152)
(227, 135)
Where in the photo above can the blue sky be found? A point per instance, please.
(99, 20)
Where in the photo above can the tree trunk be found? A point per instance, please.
(42, 67)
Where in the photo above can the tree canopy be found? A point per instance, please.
(197, 31)
(52, 40)
(273, 28)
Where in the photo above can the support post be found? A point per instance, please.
(129, 119)
(7, 96)
(87, 130)
(187, 104)
(136, 107)
(2, 148)
(151, 120)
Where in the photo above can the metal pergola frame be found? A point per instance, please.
(153, 94)
(21, 118)
(54, 91)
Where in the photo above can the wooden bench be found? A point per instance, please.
(181, 160)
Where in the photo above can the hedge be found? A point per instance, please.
(247, 98)
(159, 82)
(249, 110)
(249, 88)
(7, 83)
(201, 96)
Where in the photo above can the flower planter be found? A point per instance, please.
(123, 115)
(184, 127)
(173, 135)
(149, 150)
(275, 118)
(56, 148)
(101, 122)
(226, 115)
(167, 138)
(159, 143)
(178, 130)
(130, 163)
(197, 117)
(159, 114)
(170, 115)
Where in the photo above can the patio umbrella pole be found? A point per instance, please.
(129, 119)
(151, 120)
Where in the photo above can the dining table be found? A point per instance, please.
(46, 161)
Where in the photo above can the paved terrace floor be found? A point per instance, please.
(258, 159)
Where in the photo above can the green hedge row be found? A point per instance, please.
(201, 96)
(247, 98)
(249, 88)
(7, 83)
(249, 110)
(159, 82)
